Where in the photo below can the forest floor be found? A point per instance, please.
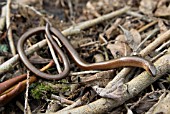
(99, 31)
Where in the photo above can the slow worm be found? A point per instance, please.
(115, 63)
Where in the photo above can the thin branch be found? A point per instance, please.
(136, 14)
(62, 100)
(79, 102)
(27, 108)
(84, 72)
(58, 67)
(36, 12)
(148, 37)
(76, 29)
(163, 46)
(10, 38)
(147, 26)
(158, 41)
(3, 18)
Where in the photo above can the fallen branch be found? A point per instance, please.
(77, 29)
(134, 87)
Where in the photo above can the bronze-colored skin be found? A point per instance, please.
(115, 63)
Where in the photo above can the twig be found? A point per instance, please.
(159, 55)
(106, 54)
(3, 18)
(76, 29)
(135, 14)
(79, 102)
(70, 8)
(26, 108)
(36, 11)
(158, 41)
(53, 55)
(20, 106)
(89, 43)
(163, 46)
(10, 38)
(9, 83)
(148, 37)
(101, 75)
(83, 72)
(147, 26)
(62, 100)
(123, 73)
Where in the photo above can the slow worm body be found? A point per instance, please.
(115, 63)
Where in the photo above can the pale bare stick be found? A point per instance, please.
(3, 18)
(58, 67)
(62, 100)
(10, 38)
(158, 41)
(27, 109)
(80, 26)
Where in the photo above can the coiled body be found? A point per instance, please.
(115, 63)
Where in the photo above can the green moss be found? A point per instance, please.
(3, 48)
(63, 86)
(40, 91)
(168, 79)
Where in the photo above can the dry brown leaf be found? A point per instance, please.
(112, 31)
(162, 26)
(36, 59)
(132, 38)
(163, 8)
(119, 48)
(115, 92)
(148, 6)
(136, 36)
(120, 39)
